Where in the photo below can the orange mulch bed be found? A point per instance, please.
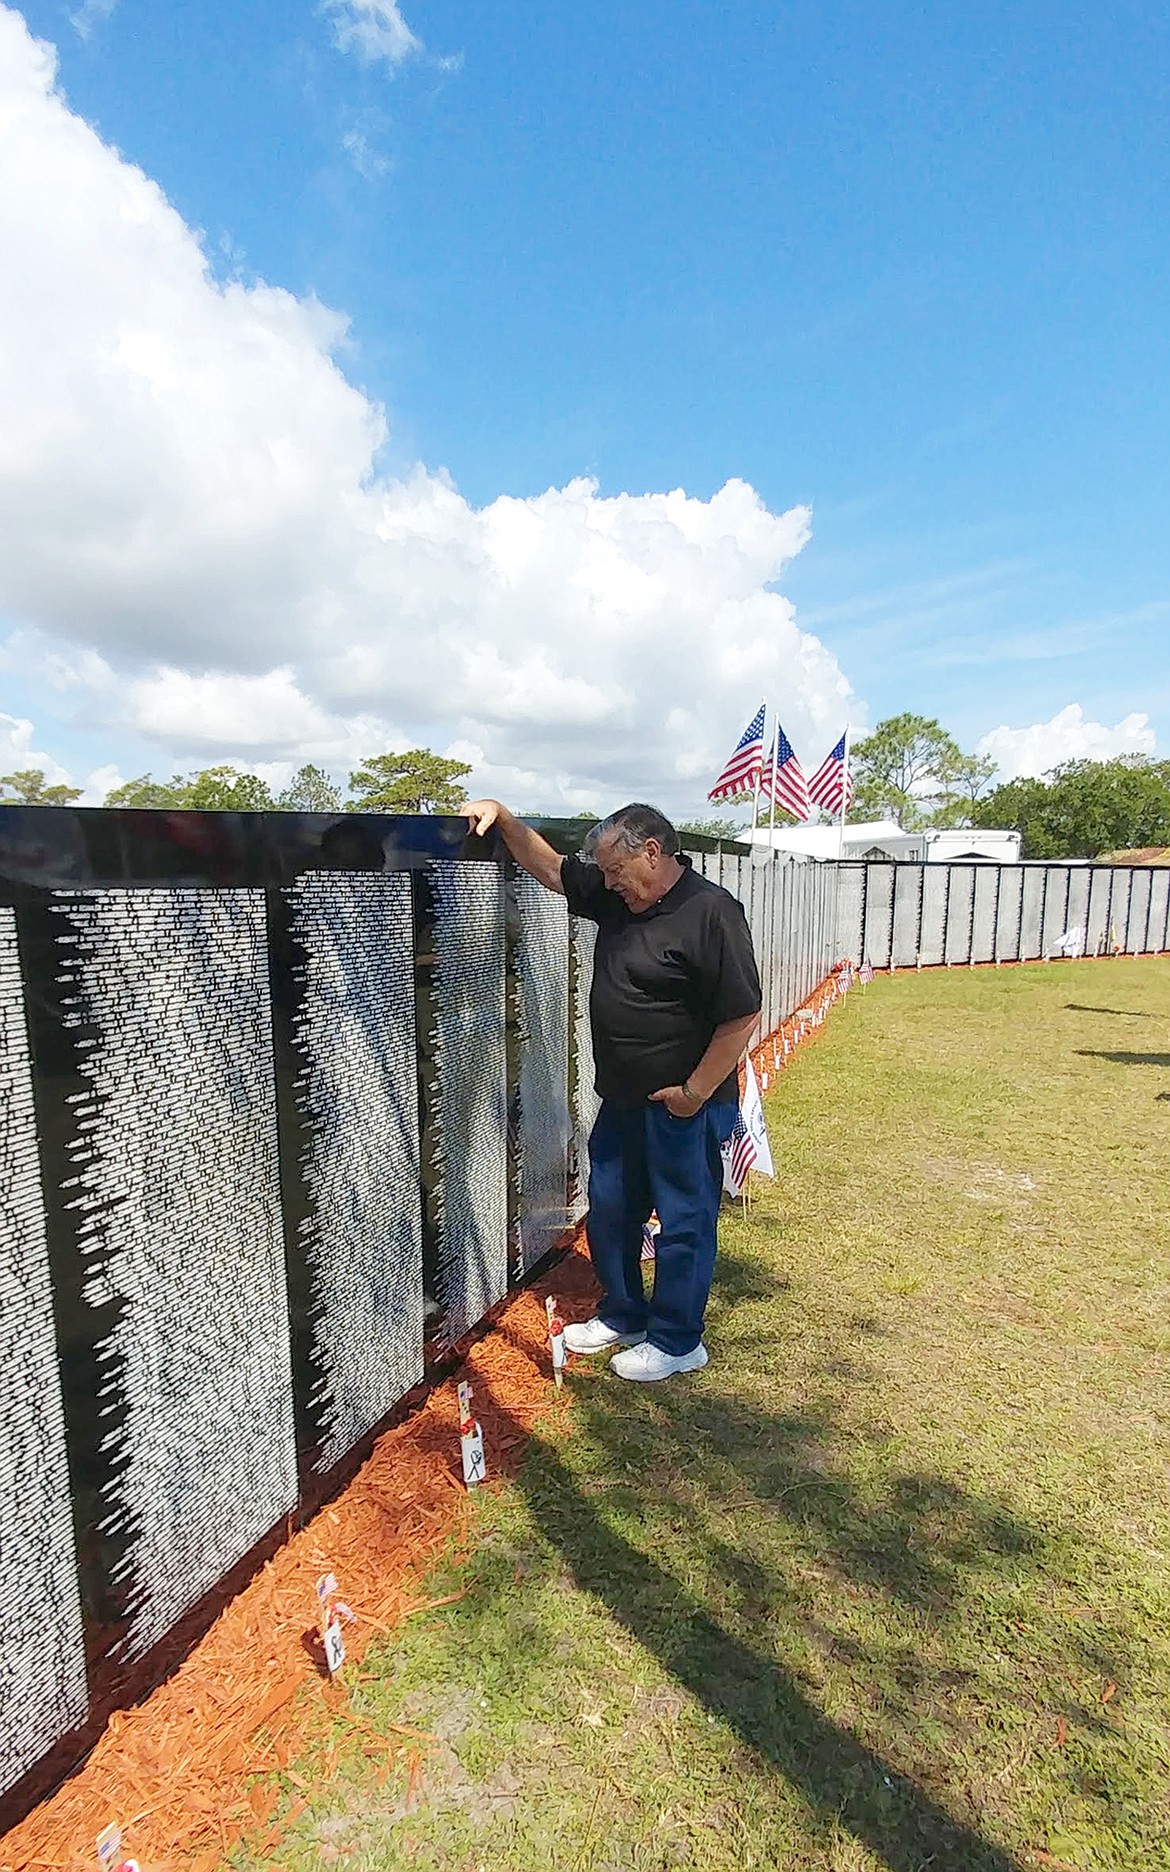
(772, 1053)
(252, 1693)
(172, 1771)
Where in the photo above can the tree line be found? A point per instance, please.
(909, 769)
(415, 782)
(418, 781)
(1085, 809)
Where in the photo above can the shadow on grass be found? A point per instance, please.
(659, 1521)
(696, 1521)
(1126, 1059)
(764, 1705)
(879, 1651)
(1080, 1007)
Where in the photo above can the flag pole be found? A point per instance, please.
(755, 807)
(844, 798)
(772, 787)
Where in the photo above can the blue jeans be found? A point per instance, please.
(640, 1159)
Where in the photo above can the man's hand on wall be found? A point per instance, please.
(533, 853)
(482, 813)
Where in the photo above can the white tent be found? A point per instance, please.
(820, 841)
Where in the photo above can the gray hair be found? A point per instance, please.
(631, 827)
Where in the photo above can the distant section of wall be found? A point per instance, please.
(910, 915)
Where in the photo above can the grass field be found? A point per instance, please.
(887, 1585)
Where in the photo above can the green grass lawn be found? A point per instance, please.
(886, 1586)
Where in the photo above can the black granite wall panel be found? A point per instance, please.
(585, 1102)
(175, 1198)
(542, 963)
(357, 1097)
(470, 1090)
(43, 1692)
(254, 1105)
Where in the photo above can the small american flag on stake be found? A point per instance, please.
(783, 779)
(748, 1145)
(739, 1154)
(824, 789)
(742, 772)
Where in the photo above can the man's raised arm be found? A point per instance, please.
(534, 854)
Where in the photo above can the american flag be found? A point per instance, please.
(865, 974)
(748, 1147)
(742, 771)
(649, 1245)
(783, 779)
(739, 1154)
(824, 789)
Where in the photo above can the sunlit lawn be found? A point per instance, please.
(887, 1585)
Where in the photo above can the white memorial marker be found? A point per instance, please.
(470, 1439)
(109, 1851)
(556, 1340)
(330, 1612)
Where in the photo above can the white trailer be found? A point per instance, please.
(963, 845)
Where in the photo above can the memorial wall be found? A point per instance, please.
(287, 1102)
(910, 915)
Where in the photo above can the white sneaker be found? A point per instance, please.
(595, 1336)
(646, 1364)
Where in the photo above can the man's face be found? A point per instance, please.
(635, 876)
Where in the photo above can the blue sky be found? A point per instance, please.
(905, 266)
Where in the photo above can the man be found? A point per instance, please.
(675, 998)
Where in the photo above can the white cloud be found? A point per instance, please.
(90, 15)
(101, 782)
(201, 714)
(366, 158)
(1019, 752)
(196, 540)
(18, 755)
(374, 29)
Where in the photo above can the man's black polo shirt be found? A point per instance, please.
(662, 980)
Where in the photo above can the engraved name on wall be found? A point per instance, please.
(176, 1198)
